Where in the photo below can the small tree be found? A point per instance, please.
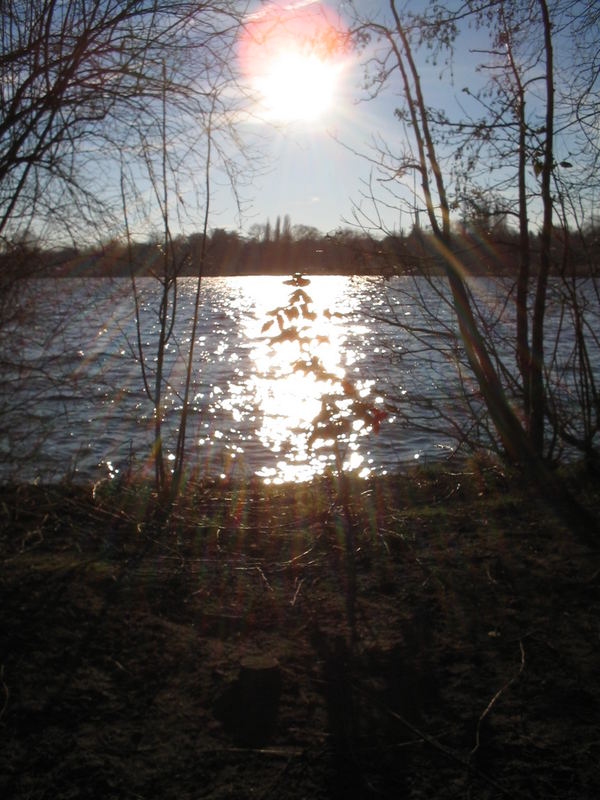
(79, 74)
(521, 442)
(343, 406)
(163, 170)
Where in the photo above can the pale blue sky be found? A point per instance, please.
(313, 174)
(308, 174)
(312, 171)
(315, 179)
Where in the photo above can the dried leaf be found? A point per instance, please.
(297, 280)
(287, 335)
(300, 296)
(349, 388)
(307, 313)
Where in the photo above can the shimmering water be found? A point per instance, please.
(74, 396)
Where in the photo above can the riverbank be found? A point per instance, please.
(474, 672)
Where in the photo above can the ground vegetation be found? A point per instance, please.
(473, 672)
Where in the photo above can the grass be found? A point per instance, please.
(474, 673)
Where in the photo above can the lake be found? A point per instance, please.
(73, 401)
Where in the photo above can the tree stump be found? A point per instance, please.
(259, 687)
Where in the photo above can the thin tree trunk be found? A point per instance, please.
(180, 450)
(537, 333)
(516, 441)
(159, 462)
(134, 290)
(523, 353)
(510, 430)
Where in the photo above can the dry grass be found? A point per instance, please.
(474, 673)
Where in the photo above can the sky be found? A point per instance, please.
(314, 128)
(311, 172)
(315, 172)
(310, 122)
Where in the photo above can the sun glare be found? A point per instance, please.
(293, 57)
(288, 398)
(297, 87)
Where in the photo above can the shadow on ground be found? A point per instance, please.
(123, 643)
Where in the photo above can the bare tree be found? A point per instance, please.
(428, 166)
(75, 75)
(144, 89)
(489, 157)
(168, 155)
(398, 36)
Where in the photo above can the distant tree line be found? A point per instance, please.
(486, 244)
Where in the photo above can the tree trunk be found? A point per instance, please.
(523, 353)
(537, 334)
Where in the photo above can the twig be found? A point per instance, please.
(164, 546)
(277, 752)
(447, 496)
(293, 560)
(297, 592)
(492, 702)
(432, 742)
(264, 577)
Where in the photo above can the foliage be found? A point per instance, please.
(483, 240)
(344, 409)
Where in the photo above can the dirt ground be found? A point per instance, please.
(474, 671)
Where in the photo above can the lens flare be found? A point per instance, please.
(293, 57)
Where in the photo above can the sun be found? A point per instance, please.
(297, 86)
(293, 57)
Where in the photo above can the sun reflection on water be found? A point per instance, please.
(292, 377)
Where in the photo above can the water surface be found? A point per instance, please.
(74, 396)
